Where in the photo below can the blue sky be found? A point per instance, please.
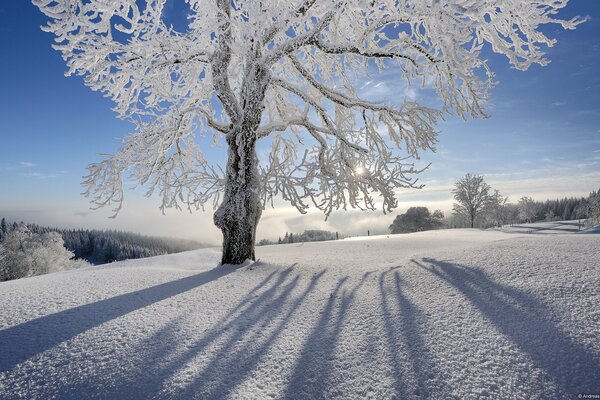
(542, 140)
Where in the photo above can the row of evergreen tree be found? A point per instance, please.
(565, 209)
(312, 235)
(105, 246)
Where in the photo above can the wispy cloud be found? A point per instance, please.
(18, 166)
(558, 104)
(42, 175)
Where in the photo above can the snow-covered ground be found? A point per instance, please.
(443, 314)
(572, 226)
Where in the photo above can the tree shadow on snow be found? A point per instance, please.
(26, 340)
(230, 350)
(418, 374)
(527, 323)
(309, 379)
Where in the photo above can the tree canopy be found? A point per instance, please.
(417, 219)
(289, 71)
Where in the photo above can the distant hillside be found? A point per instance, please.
(105, 246)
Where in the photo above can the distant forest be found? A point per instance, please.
(101, 247)
(564, 209)
(313, 235)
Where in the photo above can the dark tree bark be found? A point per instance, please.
(240, 211)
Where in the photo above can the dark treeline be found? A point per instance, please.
(101, 247)
(562, 209)
(313, 235)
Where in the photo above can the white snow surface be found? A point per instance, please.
(443, 314)
(553, 227)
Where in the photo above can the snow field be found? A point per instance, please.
(444, 314)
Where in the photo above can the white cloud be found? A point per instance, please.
(42, 175)
(18, 166)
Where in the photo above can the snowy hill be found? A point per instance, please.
(441, 314)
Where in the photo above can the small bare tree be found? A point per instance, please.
(472, 195)
(290, 71)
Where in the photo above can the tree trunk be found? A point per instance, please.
(240, 211)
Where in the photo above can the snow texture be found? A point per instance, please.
(441, 314)
(551, 227)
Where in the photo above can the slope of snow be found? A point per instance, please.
(442, 314)
(553, 227)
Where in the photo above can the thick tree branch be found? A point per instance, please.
(220, 64)
(299, 41)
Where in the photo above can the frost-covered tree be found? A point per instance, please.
(3, 229)
(417, 219)
(495, 209)
(594, 207)
(24, 253)
(472, 194)
(528, 209)
(287, 73)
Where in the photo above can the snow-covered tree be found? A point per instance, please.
(24, 253)
(472, 194)
(3, 229)
(417, 219)
(287, 73)
(495, 209)
(594, 207)
(511, 213)
(527, 209)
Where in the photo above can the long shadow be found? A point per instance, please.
(247, 310)
(232, 348)
(392, 333)
(405, 331)
(527, 323)
(150, 363)
(246, 346)
(310, 376)
(21, 342)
